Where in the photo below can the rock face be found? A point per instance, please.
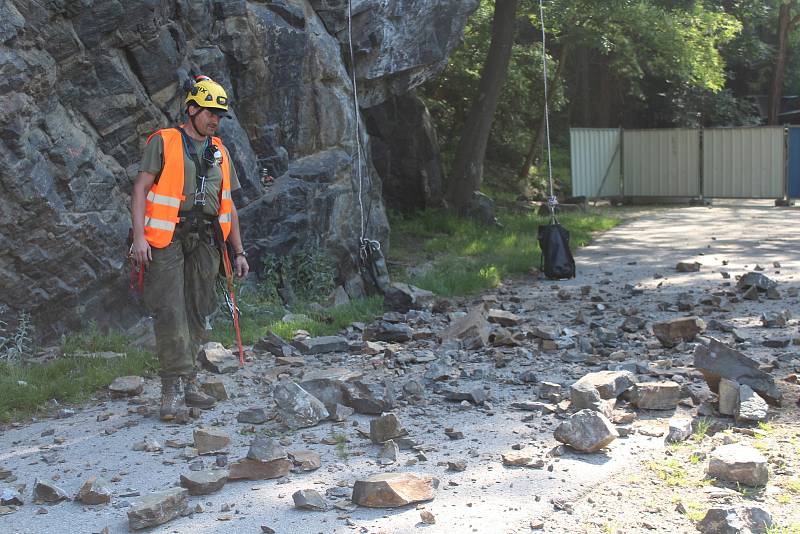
(393, 490)
(88, 84)
(739, 464)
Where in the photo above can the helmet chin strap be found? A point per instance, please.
(194, 125)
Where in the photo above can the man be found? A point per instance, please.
(182, 210)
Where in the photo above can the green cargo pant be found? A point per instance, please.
(179, 292)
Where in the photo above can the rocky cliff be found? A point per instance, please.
(83, 82)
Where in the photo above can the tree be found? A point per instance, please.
(788, 19)
(467, 171)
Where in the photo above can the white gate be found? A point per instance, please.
(661, 163)
(596, 156)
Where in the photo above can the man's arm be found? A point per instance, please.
(235, 237)
(140, 250)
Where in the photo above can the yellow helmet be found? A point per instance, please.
(207, 93)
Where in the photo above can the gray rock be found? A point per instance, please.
(390, 452)
(720, 361)
(216, 388)
(759, 281)
(275, 345)
(265, 449)
(680, 429)
(204, 482)
(297, 407)
(321, 345)
(329, 385)
(210, 440)
(472, 330)
(657, 395)
(394, 490)
(309, 500)
(775, 319)
(126, 386)
(249, 469)
(751, 408)
(217, 359)
(738, 464)
(253, 416)
(687, 267)
(46, 492)
(403, 297)
(385, 427)
(586, 431)
(305, 460)
(728, 391)
(341, 413)
(609, 384)
(674, 331)
(476, 395)
(10, 497)
(389, 332)
(158, 508)
(735, 520)
(371, 398)
(502, 317)
(441, 369)
(94, 491)
(550, 391)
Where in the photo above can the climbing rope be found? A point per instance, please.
(369, 249)
(552, 201)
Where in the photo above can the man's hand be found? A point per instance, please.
(141, 252)
(241, 267)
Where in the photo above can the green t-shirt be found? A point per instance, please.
(153, 161)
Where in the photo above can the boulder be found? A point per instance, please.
(657, 395)
(738, 463)
(403, 297)
(265, 449)
(751, 408)
(609, 384)
(255, 415)
(275, 345)
(502, 317)
(158, 508)
(44, 492)
(309, 500)
(94, 491)
(735, 520)
(215, 387)
(210, 440)
(472, 330)
(674, 331)
(371, 398)
(680, 429)
(757, 280)
(297, 407)
(217, 359)
(321, 345)
(126, 386)
(305, 460)
(330, 386)
(249, 469)
(386, 331)
(728, 392)
(385, 427)
(586, 431)
(394, 490)
(717, 360)
(204, 482)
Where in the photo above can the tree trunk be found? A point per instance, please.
(536, 142)
(785, 25)
(467, 172)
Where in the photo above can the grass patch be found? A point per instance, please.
(671, 471)
(259, 317)
(701, 429)
(73, 377)
(463, 257)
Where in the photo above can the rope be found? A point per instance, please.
(355, 118)
(552, 201)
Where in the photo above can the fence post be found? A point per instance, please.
(784, 201)
(621, 165)
(700, 200)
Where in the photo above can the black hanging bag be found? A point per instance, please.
(557, 260)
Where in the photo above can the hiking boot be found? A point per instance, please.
(194, 397)
(169, 398)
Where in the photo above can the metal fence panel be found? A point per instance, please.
(595, 161)
(743, 162)
(794, 163)
(661, 163)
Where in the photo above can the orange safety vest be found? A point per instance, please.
(164, 198)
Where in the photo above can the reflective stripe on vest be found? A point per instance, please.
(164, 198)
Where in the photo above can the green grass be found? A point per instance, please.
(258, 318)
(465, 257)
(72, 377)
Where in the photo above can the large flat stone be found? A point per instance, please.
(609, 384)
(739, 464)
(217, 359)
(204, 482)
(322, 345)
(720, 361)
(248, 469)
(657, 395)
(210, 440)
(126, 386)
(393, 490)
(735, 520)
(158, 508)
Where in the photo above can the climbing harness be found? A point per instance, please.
(556, 262)
(371, 259)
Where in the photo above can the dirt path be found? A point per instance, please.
(570, 493)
